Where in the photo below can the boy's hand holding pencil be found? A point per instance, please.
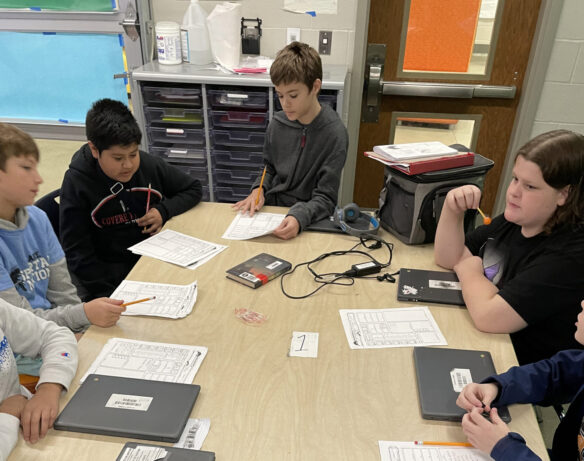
(104, 312)
(254, 201)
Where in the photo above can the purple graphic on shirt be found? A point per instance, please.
(492, 271)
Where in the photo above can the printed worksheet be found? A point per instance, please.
(171, 301)
(244, 226)
(410, 451)
(397, 327)
(177, 248)
(129, 358)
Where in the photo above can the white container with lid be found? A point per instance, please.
(168, 42)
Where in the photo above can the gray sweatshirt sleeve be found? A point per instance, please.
(67, 311)
(9, 426)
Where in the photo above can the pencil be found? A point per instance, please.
(148, 198)
(138, 301)
(261, 185)
(448, 444)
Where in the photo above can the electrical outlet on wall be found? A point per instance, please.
(325, 40)
(292, 35)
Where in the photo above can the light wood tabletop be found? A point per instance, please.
(263, 404)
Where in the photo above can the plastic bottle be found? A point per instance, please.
(168, 42)
(195, 37)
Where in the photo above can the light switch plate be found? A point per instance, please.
(325, 39)
(292, 35)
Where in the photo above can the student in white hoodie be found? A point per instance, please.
(24, 333)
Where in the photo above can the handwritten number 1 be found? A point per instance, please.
(302, 344)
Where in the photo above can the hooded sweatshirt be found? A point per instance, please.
(98, 215)
(304, 164)
(33, 270)
(23, 333)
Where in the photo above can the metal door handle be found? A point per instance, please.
(447, 90)
(375, 87)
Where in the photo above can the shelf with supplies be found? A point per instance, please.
(211, 124)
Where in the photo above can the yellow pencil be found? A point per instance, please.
(261, 185)
(448, 444)
(138, 301)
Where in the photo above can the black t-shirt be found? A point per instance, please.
(541, 277)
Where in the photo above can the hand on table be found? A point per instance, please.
(248, 205)
(40, 412)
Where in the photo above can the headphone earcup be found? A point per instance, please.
(351, 212)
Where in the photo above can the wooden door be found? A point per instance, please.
(516, 27)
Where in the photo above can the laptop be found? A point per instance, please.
(328, 225)
(429, 286)
(172, 453)
(128, 407)
(441, 375)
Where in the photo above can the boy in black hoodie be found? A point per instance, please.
(114, 196)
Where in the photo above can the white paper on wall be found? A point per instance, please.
(316, 6)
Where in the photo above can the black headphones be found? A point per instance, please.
(351, 213)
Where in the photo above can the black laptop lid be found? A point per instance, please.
(441, 375)
(128, 407)
(429, 286)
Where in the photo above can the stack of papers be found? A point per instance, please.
(127, 358)
(172, 301)
(176, 248)
(413, 151)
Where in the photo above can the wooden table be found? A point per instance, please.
(264, 405)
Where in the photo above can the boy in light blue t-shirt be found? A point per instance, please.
(33, 269)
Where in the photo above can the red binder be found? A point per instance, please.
(424, 166)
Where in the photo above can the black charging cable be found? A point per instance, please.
(347, 278)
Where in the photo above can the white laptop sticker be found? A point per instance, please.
(129, 402)
(460, 377)
(444, 284)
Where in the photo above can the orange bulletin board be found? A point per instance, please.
(441, 35)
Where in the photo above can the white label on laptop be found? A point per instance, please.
(304, 344)
(460, 377)
(129, 402)
(444, 284)
(143, 453)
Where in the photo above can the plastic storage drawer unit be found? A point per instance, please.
(174, 115)
(231, 194)
(236, 177)
(238, 138)
(239, 119)
(187, 96)
(237, 159)
(177, 152)
(193, 136)
(196, 172)
(238, 98)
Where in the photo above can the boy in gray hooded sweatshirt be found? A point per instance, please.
(305, 147)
